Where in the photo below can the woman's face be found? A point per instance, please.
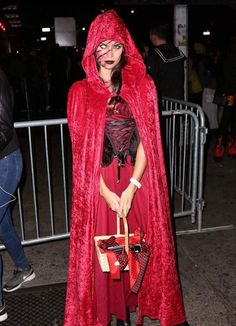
(108, 54)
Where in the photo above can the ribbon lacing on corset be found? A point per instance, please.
(119, 134)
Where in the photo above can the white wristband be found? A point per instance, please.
(135, 182)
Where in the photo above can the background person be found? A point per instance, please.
(226, 134)
(166, 64)
(10, 175)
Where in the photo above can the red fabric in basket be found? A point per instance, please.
(118, 260)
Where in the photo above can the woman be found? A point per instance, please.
(118, 167)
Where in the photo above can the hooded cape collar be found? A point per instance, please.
(109, 26)
(160, 296)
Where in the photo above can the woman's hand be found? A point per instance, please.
(126, 200)
(112, 200)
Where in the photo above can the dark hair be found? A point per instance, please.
(116, 74)
(162, 31)
(116, 80)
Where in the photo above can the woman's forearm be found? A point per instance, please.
(103, 188)
(140, 166)
(140, 163)
(111, 198)
(128, 194)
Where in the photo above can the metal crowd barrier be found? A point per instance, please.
(185, 137)
(43, 204)
(41, 213)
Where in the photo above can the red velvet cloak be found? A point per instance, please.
(160, 295)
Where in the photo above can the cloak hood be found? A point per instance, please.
(160, 295)
(109, 26)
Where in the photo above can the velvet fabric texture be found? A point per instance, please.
(160, 295)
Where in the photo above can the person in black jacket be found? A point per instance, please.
(226, 136)
(10, 175)
(166, 64)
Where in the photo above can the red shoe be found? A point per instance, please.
(231, 147)
(219, 150)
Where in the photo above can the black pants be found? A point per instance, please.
(228, 119)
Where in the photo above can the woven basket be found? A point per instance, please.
(102, 257)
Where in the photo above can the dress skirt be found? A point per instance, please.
(114, 296)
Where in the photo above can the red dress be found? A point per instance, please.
(113, 296)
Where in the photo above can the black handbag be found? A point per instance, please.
(220, 99)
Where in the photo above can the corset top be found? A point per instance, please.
(121, 137)
(120, 126)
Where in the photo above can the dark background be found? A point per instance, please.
(218, 16)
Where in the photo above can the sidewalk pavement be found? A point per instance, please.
(206, 260)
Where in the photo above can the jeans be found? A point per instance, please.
(10, 175)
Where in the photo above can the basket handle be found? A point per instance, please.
(126, 229)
